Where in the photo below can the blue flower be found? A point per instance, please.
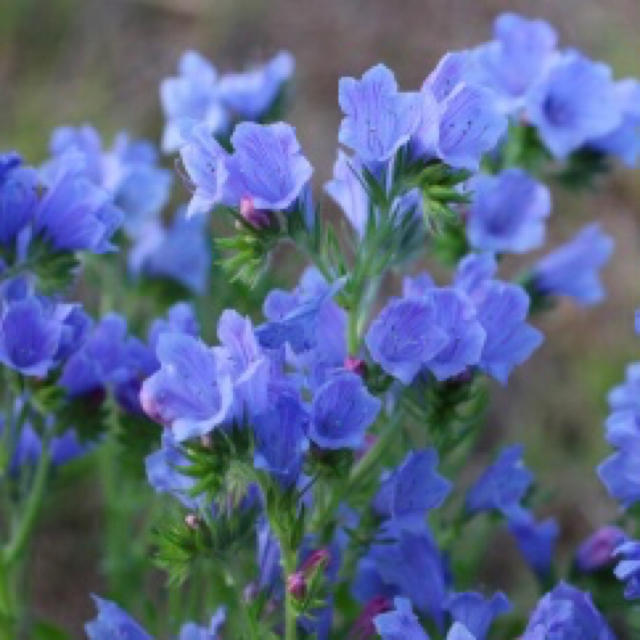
(189, 98)
(163, 475)
(32, 334)
(510, 341)
(619, 472)
(536, 540)
(455, 315)
(516, 59)
(341, 412)
(180, 317)
(18, 196)
(404, 336)
(348, 192)
(378, 119)
(628, 568)
(573, 269)
(508, 212)
(477, 613)
(112, 622)
(280, 438)
(414, 488)
(187, 394)
(74, 214)
(204, 161)
(575, 103)
(82, 141)
(624, 141)
(180, 252)
(67, 447)
(400, 623)
(250, 95)
(267, 556)
(626, 397)
(193, 631)
(267, 166)
(567, 614)
(597, 551)
(503, 484)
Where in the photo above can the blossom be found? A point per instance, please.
(510, 340)
(404, 336)
(412, 489)
(180, 252)
(193, 631)
(619, 472)
(628, 568)
(597, 551)
(378, 119)
(575, 103)
(400, 623)
(191, 97)
(186, 394)
(536, 540)
(112, 622)
(266, 166)
(341, 412)
(508, 212)
(503, 484)
(567, 613)
(18, 196)
(573, 268)
(250, 94)
(477, 613)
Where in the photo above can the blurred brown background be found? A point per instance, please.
(100, 61)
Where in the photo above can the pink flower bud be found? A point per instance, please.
(258, 218)
(297, 585)
(363, 628)
(355, 365)
(596, 552)
(319, 558)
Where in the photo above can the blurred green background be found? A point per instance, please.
(100, 61)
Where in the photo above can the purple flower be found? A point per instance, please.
(405, 336)
(400, 623)
(503, 485)
(624, 141)
(267, 166)
(575, 103)
(516, 59)
(341, 412)
(477, 613)
(628, 568)
(280, 438)
(76, 215)
(474, 272)
(191, 97)
(573, 269)
(180, 317)
(18, 196)
(204, 161)
(378, 119)
(502, 312)
(619, 472)
(187, 394)
(250, 95)
(508, 212)
(597, 551)
(193, 631)
(455, 315)
(412, 489)
(112, 622)
(32, 333)
(180, 253)
(536, 540)
(567, 614)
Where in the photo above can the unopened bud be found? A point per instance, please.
(596, 552)
(319, 558)
(297, 585)
(258, 218)
(355, 365)
(364, 628)
(192, 521)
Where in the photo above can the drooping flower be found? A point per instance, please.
(341, 412)
(576, 102)
(508, 212)
(112, 622)
(567, 614)
(378, 119)
(628, 568)
(503, 484)
(412, 489)
(573, 268)
(536, 540)
(250, 94)
(18, 196)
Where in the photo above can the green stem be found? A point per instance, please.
(289, 566)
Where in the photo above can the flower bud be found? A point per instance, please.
(596, 552)
(363, 628)
(297, 585)
(320, 558)
(355, 365)
(258, 218)
(192, 521)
